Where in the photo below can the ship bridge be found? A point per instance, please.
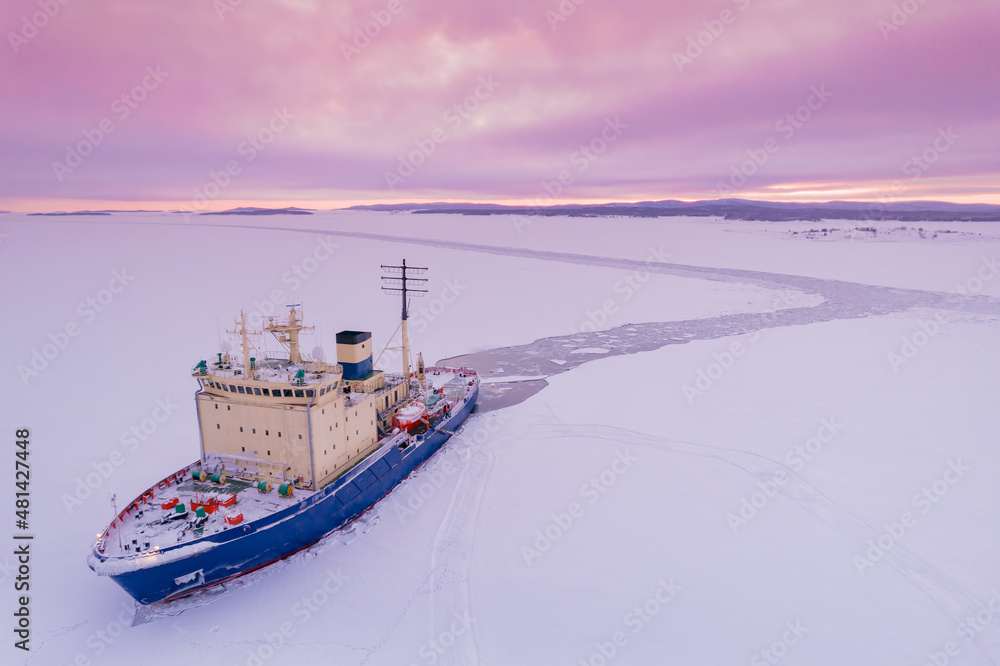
(287, 417)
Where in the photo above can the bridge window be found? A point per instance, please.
(232, 388)
(256, 391)
(288, 393)
(267, 392)
(239, 388)
(309, 393)
(298, 393)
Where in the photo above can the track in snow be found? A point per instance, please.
(451, 559)
(950, 597)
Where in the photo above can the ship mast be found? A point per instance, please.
(398, 283)
(248, 371)
(287, 333)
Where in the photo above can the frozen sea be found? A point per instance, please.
(701, 442)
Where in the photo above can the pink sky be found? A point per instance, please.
(342, 117)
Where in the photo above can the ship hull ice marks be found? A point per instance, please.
(239, 551)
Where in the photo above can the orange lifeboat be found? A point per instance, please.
(409, 416)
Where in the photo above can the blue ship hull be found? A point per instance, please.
(238, 551)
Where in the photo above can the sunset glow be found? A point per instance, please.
(202, 105)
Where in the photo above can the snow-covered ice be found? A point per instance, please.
(786, 444)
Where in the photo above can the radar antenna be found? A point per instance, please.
(397, 281)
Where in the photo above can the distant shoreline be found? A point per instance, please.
(728, 209)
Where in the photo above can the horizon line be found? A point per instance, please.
(30, 206)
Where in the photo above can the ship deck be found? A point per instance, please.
(145, 526)
(149, 527)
